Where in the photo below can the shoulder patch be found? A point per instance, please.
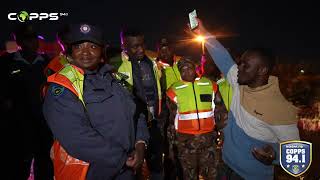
(57, 90)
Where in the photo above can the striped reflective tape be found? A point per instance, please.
(192, 116)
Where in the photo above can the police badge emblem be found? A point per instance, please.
(85, 28)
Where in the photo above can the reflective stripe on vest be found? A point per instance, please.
(66, 166)
(70, 77)
(56, 64)
(192, 116)
(194, 105)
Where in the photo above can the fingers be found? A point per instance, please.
(129, 163)
(259, 156)
(262, 156)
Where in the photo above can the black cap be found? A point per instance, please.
(85, 32)
(183, 61)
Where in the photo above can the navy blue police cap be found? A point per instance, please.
(85, 32)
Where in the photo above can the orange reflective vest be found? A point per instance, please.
(195, 105)
(56, 64)
(67, 167)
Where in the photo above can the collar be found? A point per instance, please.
(18, 57)
(106, 68)
(272, 83)
(195, 80)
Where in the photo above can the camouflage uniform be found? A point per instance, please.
(196, 155)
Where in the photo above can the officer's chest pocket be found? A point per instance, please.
(99, 108)
(97, 96)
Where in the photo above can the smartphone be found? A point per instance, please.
(192, 19)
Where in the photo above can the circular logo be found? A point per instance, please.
(295, 169)
(23, 16)
(85, 28)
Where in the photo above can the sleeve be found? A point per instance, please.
(142, 129)
(163, 82)
(222, 59)
(276, 147)
(284, 133)
(172, 107)
(70, 125)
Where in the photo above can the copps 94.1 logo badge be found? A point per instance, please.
(24, 16)
(295, 157)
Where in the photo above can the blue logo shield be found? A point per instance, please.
(295, 157)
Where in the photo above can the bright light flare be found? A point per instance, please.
(200, 38)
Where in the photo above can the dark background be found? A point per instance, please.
(290, 28)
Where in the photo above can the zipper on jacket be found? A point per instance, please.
(195, 99)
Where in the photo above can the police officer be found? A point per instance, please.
(92, 116)
(21, 108)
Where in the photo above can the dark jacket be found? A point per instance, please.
(103, 132)
(138, 84)
(21, 103)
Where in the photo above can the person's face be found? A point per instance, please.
(249, 66)
(209, 67)
(188, 72)
(134, 47)
(87, 55)
(165, 54)
(29, 44)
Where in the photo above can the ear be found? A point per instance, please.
(263, 71)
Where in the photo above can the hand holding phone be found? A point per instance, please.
(192, 19)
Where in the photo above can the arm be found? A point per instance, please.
(142, 130)
(172, 115)
(135, 161)
(284, 133)
(220, 111)
(269, 154)
(70, 125)
(219, 54)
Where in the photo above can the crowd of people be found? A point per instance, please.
(85, 114)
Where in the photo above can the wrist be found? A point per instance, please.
(141, 145)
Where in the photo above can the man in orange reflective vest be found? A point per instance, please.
(191, 102)
(99, 134)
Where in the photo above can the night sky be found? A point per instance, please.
(289, 28)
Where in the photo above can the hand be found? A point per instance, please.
(221, 116)
(265, 155)
(200, 28)
(135, 160)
